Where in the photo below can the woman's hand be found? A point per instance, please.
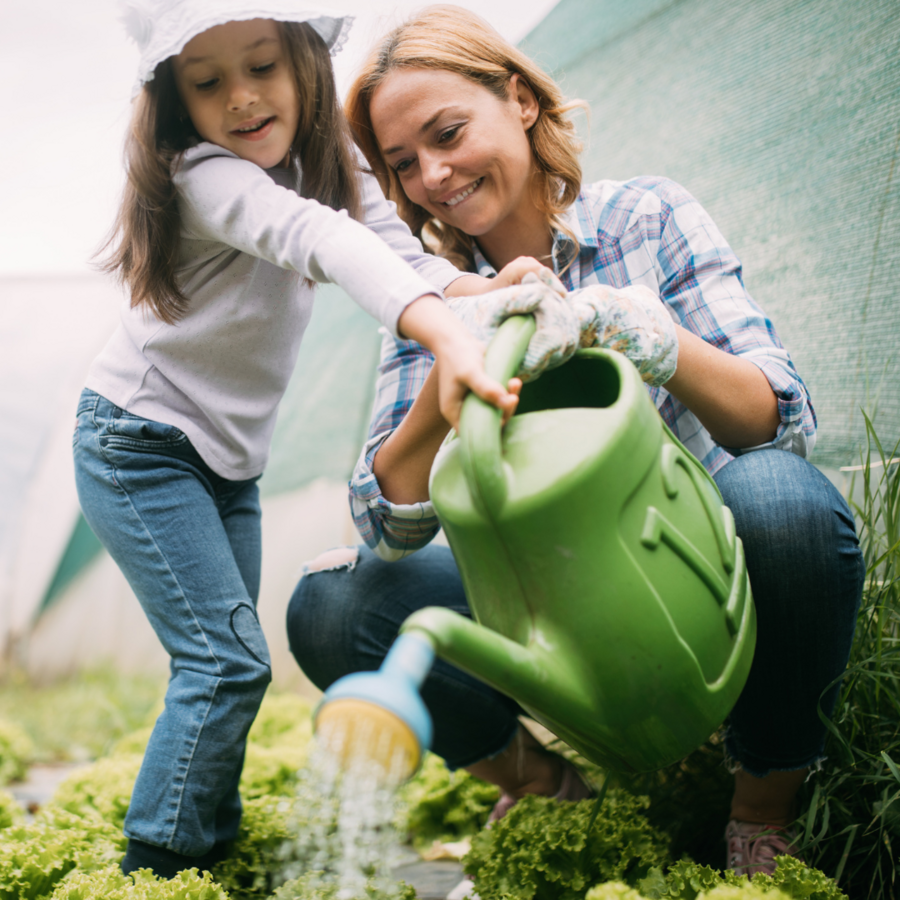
(541, 295)
(729, 395)
(632, 321)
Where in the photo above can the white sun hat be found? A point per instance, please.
(161, 28)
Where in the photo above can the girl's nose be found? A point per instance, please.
(240, 95)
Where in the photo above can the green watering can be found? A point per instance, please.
(608, 587)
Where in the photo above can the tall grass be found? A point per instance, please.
(851, 816)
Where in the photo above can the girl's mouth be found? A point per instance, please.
(465, 193)
(255, 130)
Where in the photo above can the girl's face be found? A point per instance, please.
(238, 86)
(459, 151)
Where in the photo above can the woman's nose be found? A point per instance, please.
(435, 170)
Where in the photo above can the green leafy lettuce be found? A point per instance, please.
(11, 812)
(34, 857)
(542, 850)
(16, 750)
(111, 884)
(438, 804)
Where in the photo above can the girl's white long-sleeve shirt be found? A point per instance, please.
(247, 242)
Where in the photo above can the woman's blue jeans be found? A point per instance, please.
(806, 571)
(188, 541)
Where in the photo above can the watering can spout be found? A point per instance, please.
(504, 664)
(378, 719)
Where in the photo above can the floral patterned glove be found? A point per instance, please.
(632, 321)
(544, 297)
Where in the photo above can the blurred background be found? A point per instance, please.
(781, 116)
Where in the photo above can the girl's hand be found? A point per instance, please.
(541, 295)
(459, 357)
(633, 321)
(511, 273)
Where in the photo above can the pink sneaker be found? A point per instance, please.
(752, 848)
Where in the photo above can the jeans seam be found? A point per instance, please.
(182, 780)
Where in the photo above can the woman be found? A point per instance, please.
(470, 139)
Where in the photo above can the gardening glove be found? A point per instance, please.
(542, 296)
(632, 321)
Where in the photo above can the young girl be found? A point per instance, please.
(242, 191)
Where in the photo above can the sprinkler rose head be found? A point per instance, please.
(378, 718)
(364, 734)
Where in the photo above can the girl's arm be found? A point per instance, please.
(459, 359)
(232, 201)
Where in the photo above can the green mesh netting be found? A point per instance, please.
(783, 119)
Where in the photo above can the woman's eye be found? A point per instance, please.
(402, 166)
(449, 134)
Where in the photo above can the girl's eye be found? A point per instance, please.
(207, 85)
(263, 70)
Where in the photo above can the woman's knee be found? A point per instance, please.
(349, 605)
(783, 506)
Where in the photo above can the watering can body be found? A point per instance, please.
(607, 585)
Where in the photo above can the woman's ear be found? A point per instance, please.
(521, 92)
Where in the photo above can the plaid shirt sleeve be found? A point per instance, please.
(699, 278)
(391, 530)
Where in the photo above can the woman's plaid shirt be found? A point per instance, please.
(646, 231)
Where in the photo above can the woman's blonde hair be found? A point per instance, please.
(453, 39)
(144, 242)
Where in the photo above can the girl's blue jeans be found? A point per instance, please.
(806, 571)
(188, 541)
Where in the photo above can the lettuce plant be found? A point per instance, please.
(34, 857)
(103, 788)
(111, 884)
(11, 812)
(543, 850)
(438, 804)
(16, 750)
(254, 858)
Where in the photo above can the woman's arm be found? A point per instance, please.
(733, 372)
(729, 395)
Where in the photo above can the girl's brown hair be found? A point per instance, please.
(145, 237)
(453, 39)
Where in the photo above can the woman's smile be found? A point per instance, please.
(464, 194)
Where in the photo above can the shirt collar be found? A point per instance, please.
(578, 218)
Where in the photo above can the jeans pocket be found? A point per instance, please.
(136, 433)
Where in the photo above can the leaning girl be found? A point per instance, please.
(243, 190)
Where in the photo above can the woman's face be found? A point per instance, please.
(238, 87)
(459, 151)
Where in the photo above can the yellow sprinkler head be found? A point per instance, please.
(362, 733)
(379, 717)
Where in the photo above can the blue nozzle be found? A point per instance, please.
(395, 686)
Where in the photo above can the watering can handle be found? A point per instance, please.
(479, 422)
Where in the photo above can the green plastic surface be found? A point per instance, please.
(608, 586)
